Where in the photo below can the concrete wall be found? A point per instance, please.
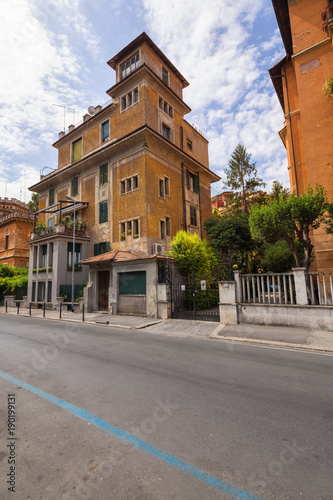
(316, 317)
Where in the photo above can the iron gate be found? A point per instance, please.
(191, 301)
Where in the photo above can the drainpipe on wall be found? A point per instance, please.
(183, 197)
(291, 132)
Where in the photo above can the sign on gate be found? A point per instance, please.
(203, 284)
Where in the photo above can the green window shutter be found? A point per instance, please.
(96, 249)
(77, 150)
(103, 174)
(188, 179)
(107, 244)
(196, 184)
(103, 212)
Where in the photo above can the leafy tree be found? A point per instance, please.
(242, 176)
(192, 253)
(33, 204)
(12, 278)
(293, 218)
(278, 190)
(230, 236)
(278, 258)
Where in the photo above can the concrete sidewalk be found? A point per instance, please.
(300, 338)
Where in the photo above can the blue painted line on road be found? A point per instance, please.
(176, 462)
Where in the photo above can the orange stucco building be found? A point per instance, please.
(15, 227)
(299, 78)
(139, 168)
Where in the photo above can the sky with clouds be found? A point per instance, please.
(55, 52)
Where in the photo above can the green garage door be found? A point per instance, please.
(132, 292)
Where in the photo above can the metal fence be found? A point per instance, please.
(278, 288)
(321, 288)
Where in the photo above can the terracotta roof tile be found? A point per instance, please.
(116, 256)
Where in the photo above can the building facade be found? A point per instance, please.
(16, 223)
(136, 169)
(306, 30)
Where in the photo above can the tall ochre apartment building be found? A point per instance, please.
(138, 172)
(306, 29)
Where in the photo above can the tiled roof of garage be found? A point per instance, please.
(116, 256)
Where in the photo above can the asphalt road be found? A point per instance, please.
(257, 421)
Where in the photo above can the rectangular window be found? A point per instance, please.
(129, 99)
(105, 131)
(43, 256)
(77, 256)
(41, 291)
(49, 291)
(103, 174)
(122, 227)
(135, 180)
(130, 65)
(168, 226)
(165, 76)
(7, 242)
(122, 187)
(193, 216)
(77, 150)
(129, 227)
(170, 112)
(136, 228)
(103, 212)
(193, 182)
(34, 264)
(33, 291)
(129, 184)
(50, 225)
(166, 186)
(101, 247)
(166, 108)
(51, 196)
(50, 254)
(162, 229)
(166, 131)
(161, 188)
(189, 144)
(160, 103)
(75, 186)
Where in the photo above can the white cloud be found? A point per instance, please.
(230, 92)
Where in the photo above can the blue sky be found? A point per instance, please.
(55, 52)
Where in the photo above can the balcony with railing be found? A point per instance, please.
(327, 17)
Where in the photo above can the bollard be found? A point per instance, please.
(18, 307)
(83, 312)
(30, 309)
(44, 309)
(6, 305)
(60, 310)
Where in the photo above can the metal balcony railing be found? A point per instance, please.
(327, 16)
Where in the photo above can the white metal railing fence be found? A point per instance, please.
(321, 288)
(278, 288)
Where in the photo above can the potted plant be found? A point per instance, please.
(122, 236)
(135, 236)
(129, 231)
(40, 227)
